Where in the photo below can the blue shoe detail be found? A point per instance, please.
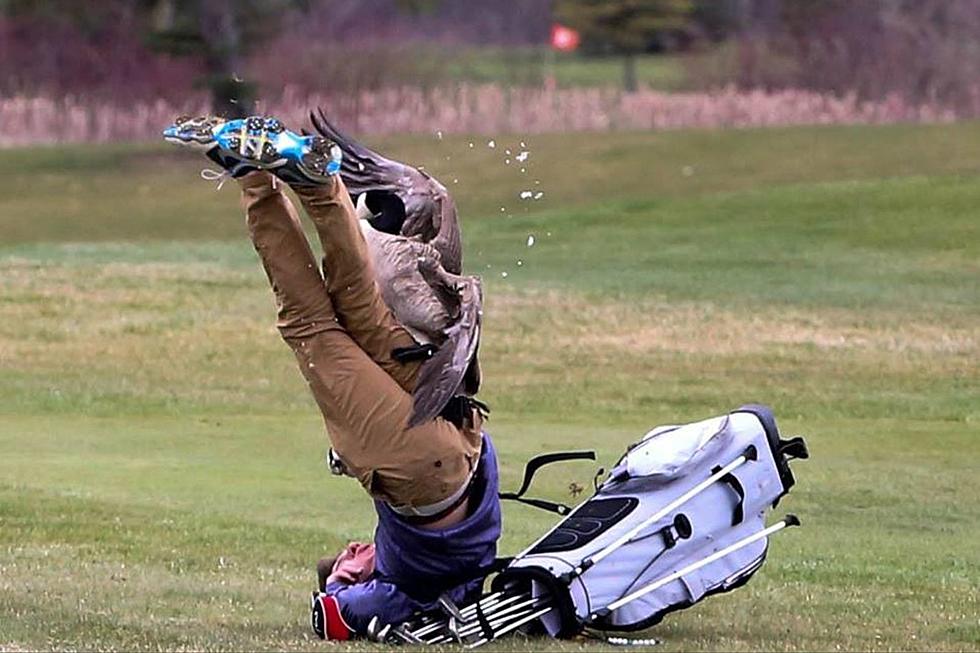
(259, 143)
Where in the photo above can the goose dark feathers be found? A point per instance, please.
(423, 209)
(409, 222)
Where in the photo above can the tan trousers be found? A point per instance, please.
(342, 334)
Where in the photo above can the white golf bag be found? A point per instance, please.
(680, 517)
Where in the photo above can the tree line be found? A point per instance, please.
(915, 48)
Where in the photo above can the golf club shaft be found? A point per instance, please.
(495, 620)
(504, 615)
(487, 603)
(517, 624)
(697, 565)
(660, 514)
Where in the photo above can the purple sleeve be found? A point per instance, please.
(361, 602)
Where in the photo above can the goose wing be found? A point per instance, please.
(442, 376)
(429, 210)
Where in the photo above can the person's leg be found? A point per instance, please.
(364, 409)
(351, 280)
(366, 414)
(309, 163)
(302, 302)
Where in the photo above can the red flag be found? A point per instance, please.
(564, 39)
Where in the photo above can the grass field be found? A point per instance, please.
(532, 65)
(161, 474)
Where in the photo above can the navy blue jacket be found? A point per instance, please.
(414, 566)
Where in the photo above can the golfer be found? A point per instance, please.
(434, 485)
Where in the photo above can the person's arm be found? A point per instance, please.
(348, 609)
(351, 596)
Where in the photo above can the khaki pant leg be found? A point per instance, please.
(364, 408)
(366, 413)
(351, 280)
(302, 302)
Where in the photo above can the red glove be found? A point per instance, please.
(355, 564)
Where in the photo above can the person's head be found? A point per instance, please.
(323, 570)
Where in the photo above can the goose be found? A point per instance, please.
(437, 307)
(419, 291)
(406, 200)
(410, 225)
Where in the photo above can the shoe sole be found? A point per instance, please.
(197, 133)
(322, 157)
(253, 140)
(262, 143)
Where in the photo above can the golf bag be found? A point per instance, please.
(680, 517)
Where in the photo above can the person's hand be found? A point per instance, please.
(355, 564)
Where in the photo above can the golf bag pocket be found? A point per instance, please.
(680, 517)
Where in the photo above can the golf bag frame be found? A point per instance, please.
(680, 517)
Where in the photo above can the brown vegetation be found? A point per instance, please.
(477, 109)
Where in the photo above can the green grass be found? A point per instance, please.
(161, 474)
(531, 66)
(427, 65)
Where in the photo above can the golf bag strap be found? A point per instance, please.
(732, 481)
(485, 626)
(542, 504)
(531, 468)
(794, 448)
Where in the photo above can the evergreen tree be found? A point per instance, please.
(626, 27)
